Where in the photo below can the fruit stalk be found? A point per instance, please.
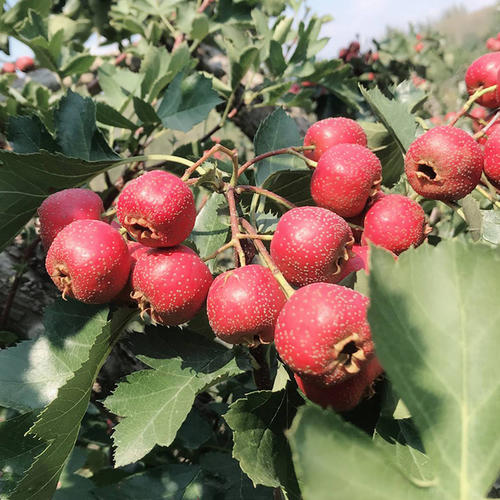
(472, 99)
(285, 286)
(265, 192)
(235, 230)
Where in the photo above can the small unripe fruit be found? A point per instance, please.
(346, 395)
(330, 132)
(445, 164)
(25, 63)
(396, 223)
(482, 73)
(311, 244)
(157, 209)
(492, 158)
(243, 305)
(61, 208)
(170, 284)
(89, 261)
(322, 333)
(346, 176)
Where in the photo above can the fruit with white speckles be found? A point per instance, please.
(346, 395)
(243, 305)
(444, 164)
(323, 335)
(395, 223)
(311, 244)
(135, 251)
(157, 209)
(483, 73)
(330, 132)
(492, 158)
(89, 261)
(61, 208)
(347, 175)
(170, 284)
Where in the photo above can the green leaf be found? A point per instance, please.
(259, 421)
(277, 63)
(77, 64)
(277, 131)
(240, 62)
(119, 84)
(170, 482)
(156, 402)
(145, 112)
(31, 372)
(187, 101)
(394, 115)
(212, 227)
(27, 179)
(17, 451)
(72, 485)
(195, 431)
(27, 134)
(382, 143)
(473, 216)
(491, 226)
(332, 457)
(431, 322)
(294, 185)
(77, 133)
(109, 116)
(59, 423)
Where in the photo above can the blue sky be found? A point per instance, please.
(368, 18)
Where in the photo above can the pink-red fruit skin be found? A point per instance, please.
(345, 178)
(311, 244)
(444, 164)
(492, 158)
(322, 333)
(482, 73)
(89, 261)
(330, 132)
(157, 209)
(170, 284)
(395, 223)
(243, 305)
(346, 395)
(61, 208)
(25, 63)
(135, 251)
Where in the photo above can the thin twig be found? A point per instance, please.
(267, 193)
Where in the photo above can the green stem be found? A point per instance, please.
(488, 196)
(472, 99)
(173, 159)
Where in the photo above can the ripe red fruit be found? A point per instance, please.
(346, 395)
(482, 73)
(61, 208)
(25, 63)
(170, 284)
(243, 305)
(311, 244)
(322, 333)
(8, 67)
(396, 223)
(445, 164)
(157, 209)
(346, 176)
(330, 132)
(88, 260)
(492, 158)
(418, 47)
(135, 251)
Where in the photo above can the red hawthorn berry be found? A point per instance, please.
(25, 63)
(8, 67)
(371, 75)
(157, 209)
(294, 89)
(375, 56)
(418, 47)
(89, 261)
(492, 158)
(483, 73)
(436, 120)
(330, 132)
(418, 36)
(243, 305)
(353, 265)
(445, 164)
(491, 130)
(311, 244)
(170, 284)
(322, 333)
(135, 251)
(478, 114)
(345, 395)
(61, 208)
(396, 223)
(346, 176)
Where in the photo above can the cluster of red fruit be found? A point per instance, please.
(320, 330)
(23, 63)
